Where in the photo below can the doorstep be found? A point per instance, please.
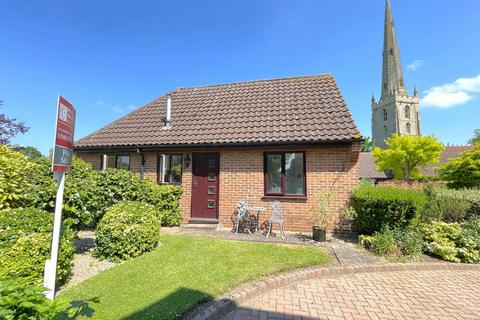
(204, 224)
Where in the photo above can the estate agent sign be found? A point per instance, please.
(65, 127)
(61, 162)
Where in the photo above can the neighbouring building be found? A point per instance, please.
(281, 139)
(368, 168)
(396, 111)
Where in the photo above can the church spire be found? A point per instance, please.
(392, 75)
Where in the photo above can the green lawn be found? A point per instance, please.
(183, 272)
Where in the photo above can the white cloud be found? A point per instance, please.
(452, 94)
(131, 107)
(415, 64)
(100, 102)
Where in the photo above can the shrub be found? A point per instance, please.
(452, 241)
(19, 300)
(13, 180)
(83, 201)
(409, 242)
(397, 242)
(381, 243)
(127, 230)
(166, 199)
(463, 171)
(88, 192)
(451, 205)
(378, 208)
(43, 188)
(25, 245)
(119, 185)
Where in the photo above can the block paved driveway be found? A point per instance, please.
(431, 294)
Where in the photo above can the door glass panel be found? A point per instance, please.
(211, 190)
(210, 204)
(166, 169)
(274, 173)
(294, 179)
(212, 163)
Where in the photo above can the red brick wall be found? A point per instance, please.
(333, 168)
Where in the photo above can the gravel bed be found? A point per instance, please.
(85, 265)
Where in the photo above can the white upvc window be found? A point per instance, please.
(114, 161)
(169, 169)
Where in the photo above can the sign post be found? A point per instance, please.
(61, 162)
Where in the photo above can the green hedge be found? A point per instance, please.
(166, 198)
(14, 183)
(89, 193)
(127, 230)
(451, 205)
(25, 242)
(378, 208)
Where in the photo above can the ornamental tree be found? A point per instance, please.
(367, 145)
(405, 154)
(9, 127)
(463, 171)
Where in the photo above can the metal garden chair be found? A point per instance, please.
(277, 218)
(243, 216)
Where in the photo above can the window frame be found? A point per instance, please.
(283, 175)
(385, 115)
(122, 155)
(160, 173)
(102, 164)
(407, 112)
(408, 128)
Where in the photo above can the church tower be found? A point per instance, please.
(396, 111)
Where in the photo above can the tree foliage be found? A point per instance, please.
(9, 127)
(367, 145)
(30, 152)
(476, 137)
(405, 154)
(14, 183)
(463, 171)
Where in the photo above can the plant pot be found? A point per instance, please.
(319, 233)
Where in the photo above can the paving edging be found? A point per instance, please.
(221, 307)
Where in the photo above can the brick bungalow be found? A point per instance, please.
(281, 139)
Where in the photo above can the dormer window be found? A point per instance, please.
(385, 117)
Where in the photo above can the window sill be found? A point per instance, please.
(303, 198)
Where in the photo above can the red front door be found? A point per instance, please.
(205, 169)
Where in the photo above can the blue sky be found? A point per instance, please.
(109, 57)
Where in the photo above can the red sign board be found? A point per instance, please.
(64, 131)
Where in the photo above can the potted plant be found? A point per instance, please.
(323, 213)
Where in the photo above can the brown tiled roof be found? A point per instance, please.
(448, 153)
(367, 167)
(298, 109)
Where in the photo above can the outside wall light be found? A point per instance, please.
(187, 160)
